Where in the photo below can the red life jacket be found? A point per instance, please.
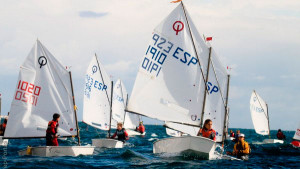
(232, 134)
(280, 136)
(141, 129)
(211, 134)
(52, 127)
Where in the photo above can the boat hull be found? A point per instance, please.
(134, 133)
(3, 142)
(199, 147)
(107, 143)
(50, 151)
(272, 141)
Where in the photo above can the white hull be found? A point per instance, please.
(187, 145)
(50, 151)
(229, 138)
(272, 141)
(134, 133)
(107, 143)
(3, 142)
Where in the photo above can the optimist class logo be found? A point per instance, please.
(178, 26)
(42, 61)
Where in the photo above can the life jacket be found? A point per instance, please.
(211, 134)
(121, 134)
(232, 134)
(52, 128)
(141, 129)
(280, 136)
(242, 148)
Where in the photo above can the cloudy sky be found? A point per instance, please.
(259, 40)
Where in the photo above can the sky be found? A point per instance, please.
(258, 40)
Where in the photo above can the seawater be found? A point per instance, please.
(138, 153)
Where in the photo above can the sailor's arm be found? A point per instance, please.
(246, 150)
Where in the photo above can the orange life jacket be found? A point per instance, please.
(211, 134)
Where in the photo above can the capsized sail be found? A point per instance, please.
(169, 85)
(43, 88)
(297, 133)
(259, 114)
(215, 105)
(97, 96)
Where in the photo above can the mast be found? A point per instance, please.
(109, 101)
(110, 116)
(198, 60)
(268, 120)
(226, 111)
(125, 108)
(73, 97)
(205, 93)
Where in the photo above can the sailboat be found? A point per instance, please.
(130, 121)
(296, 142)
(97, 101)
(171, 83)
(44, 87)
(260, 117)
(216, 101)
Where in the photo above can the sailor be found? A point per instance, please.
(120, 133)
(141, 128)
(280, 135)
(2, 127)
(51, 132)
(207, 130)
(236, 137)
(241, 149)
(231, 133)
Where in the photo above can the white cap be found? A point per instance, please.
(241, 135)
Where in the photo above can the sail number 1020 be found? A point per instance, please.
(27, 92)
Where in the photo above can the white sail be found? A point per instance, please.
(97, 96)
(169, 85)
(119, 103)
(43, 88)
(215, 100)
(173, 133)
(297, 133)
(216, 95)
(131, 120)
(259, 114)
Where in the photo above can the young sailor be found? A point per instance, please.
(241, 149)
(207, 130)
(141, 128)
(51, 132)
(280, 135)
(121, 133)
(231, 133)
(236, 137)
(2, 127)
